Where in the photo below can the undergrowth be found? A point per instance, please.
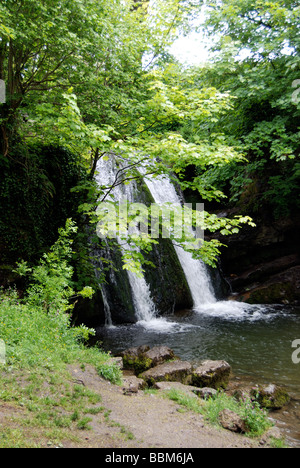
(255, 418)
(38, 343)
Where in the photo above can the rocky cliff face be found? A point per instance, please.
(262, 264)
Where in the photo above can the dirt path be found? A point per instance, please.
(148, 421)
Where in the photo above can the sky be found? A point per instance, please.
(192, 49)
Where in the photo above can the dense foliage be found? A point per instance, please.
(93, 78)
(89, 79)
(257, 60)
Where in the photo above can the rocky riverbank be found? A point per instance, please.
(158, 368)
(141, 412)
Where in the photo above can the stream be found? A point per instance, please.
(255, 340)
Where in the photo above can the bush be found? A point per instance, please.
(37, 331)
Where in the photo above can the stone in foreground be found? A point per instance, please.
(177, 371)
(167, 386)
(132, 385)
(232, 421)
(271, 396)
(212, 374)
(205, 392)
(143, 358)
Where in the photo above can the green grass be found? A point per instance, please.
(36, 338)
(255, 417)
(35, 384)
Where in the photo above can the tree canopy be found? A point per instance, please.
(96, 78)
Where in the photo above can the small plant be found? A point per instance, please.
(83, 424)
(52, 285)
(188, 402)
(255, 418)
(110, 372)
(94, 411)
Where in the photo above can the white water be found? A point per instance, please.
(144, 306)
(205, 302)
(107, 311)
(163, 191)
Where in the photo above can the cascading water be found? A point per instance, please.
(144, 306)
(205, 302)
(229, 330)
(163, 191)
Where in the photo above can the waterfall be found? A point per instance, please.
(145, 308)
(163, 191)
(107, 311)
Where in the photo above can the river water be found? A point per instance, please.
(255, 340)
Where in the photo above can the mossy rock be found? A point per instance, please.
(213, 374)
(143, 358)
(176, 371)
(271, 397)
(135, 359)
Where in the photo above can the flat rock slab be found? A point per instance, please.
(177, 371)
(212, 374)
(202, 393)
(166, 386)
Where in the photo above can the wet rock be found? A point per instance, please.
(143, 358)
(270, 396)
(262, 263)
(232, 421)
(177, 371)
(280, 289)
(159, 355)
(212, 374)
(134, 358)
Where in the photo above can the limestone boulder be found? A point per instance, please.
(160, 354)
(134, 359)
(167, 386)
(143, 358)
(212, 374)
(132, 385)
(232, 421)
(205, 393)
(271, 396)
(177, 371)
